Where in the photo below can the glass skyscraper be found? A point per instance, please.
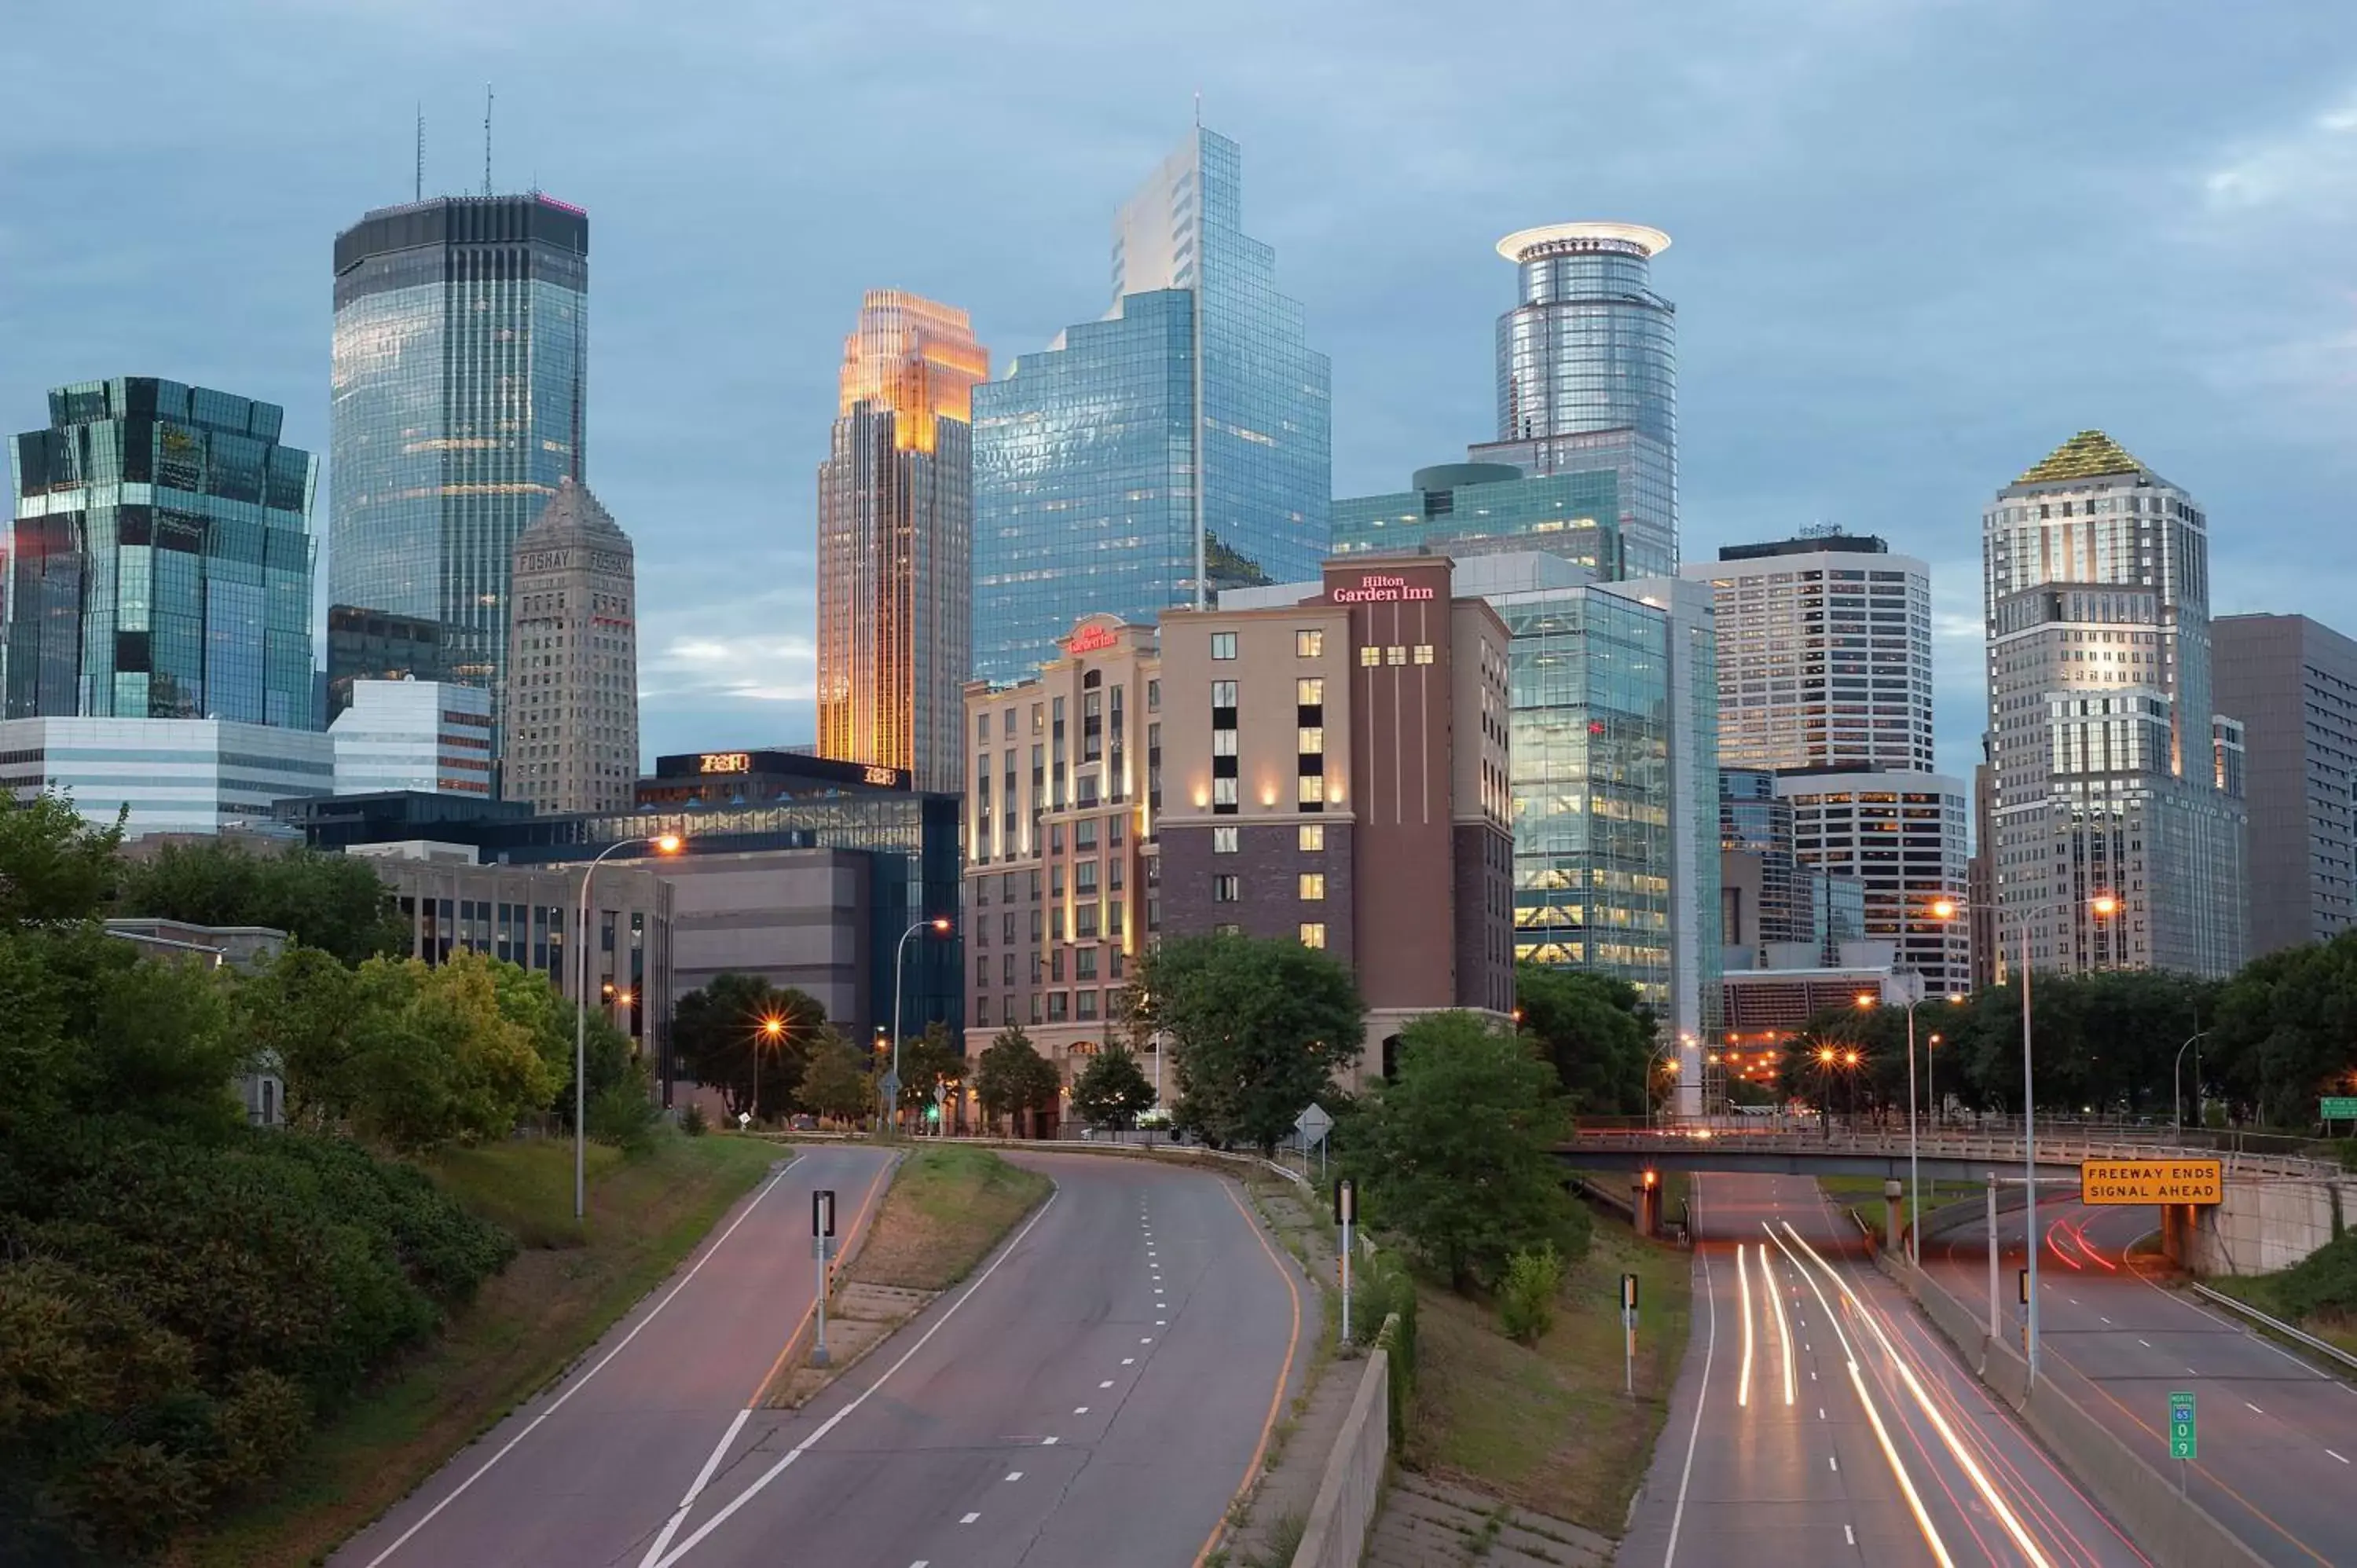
(896, 541)
(160, 564)
(1588, 374)
(1178, 446)
(1484, 509)
(460, 339)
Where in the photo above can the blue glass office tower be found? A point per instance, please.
(160, 561)
(1465, 509)
(1176, 448)
(461, 333)
(1588, 374)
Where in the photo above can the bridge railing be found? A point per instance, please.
(2062, 1144)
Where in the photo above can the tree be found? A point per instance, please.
(2285, 1031)
(333, 902)
(723, 1038)
(1593, 1029)
(1258, 1028)
(434, 1060)
(1012, 1077)
(1113, 1090)
(927, 1062)
(54, 868)
(837, 1083)
(1456, 1153)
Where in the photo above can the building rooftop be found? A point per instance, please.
(2089, 455)
(1808, 544)
(1524, 244)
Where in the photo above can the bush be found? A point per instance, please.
(691, 1120)
(1383, 1306)
(1526, 1300)
(2323, 1283)
(624, 1117)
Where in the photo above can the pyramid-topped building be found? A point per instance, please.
(2090, 454)
(571, 739)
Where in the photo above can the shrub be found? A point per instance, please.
(691, 1120)
(2323, 1283)
(1526, 1300)
(624, 1117)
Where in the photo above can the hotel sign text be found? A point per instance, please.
(1376, 588)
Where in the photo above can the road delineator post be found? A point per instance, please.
(822, 1250)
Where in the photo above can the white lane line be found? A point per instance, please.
(2146, 1343)
(695, 1490)
(709, 1253)
(1161, 1323)
(831, 1422)
(1129, 1360)
(1820, 1413)
(1813, 1374)
(970, 1518)
(2336, 1457)
(1831, 1463)
(1106, 1384)
(921, 1562)
(1079, 1410)
(1146, 1340)
(2105, 1319)
(1013, 1474)
(1702, 1396)
(1849, 1535)
(2254, 1410)
(1047, 1442)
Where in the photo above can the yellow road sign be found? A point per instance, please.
(2151, 1181)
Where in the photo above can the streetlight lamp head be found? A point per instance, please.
(941, 925)
(1849, 1058)
(1825, 1053)
(668, 844)
(1865, 998)
(772, 1027)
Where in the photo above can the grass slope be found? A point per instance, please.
(527, 1325)
(1547, 1426)
(948, 1207)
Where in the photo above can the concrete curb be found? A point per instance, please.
(2176, 1531)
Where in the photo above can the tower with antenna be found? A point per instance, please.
(487, 138)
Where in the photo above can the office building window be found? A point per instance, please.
(1313, 885)
(1088, 1006)
(1223, 645)
(1226, 889)
(1224, 694)
(1313, 789)
(1223, 841)
(1309, 644)
(1370, 656)
(1057, 1003)
(1424, 653)
(1313, 933)
(1313, 741)
(1224, 794)
(1395, 654)
(1313, 838)
(1223, 742)
(1309, 690)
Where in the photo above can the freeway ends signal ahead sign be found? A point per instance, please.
(2151, 1181)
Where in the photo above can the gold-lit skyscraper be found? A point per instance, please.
(896, 541)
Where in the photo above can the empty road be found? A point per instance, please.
(1096, 1392)
(2278, 1438)
(1819, 1420)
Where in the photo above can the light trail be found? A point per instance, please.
(1783, 1329)
(1743, 1283)
(1874, 1417)
(1957, 1446)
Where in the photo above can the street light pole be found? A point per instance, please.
(2176, 1094)
(900, 952)
(663, 843)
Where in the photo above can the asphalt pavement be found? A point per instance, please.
(1819, 1420)
(1095, 1395)
(2278, 1437)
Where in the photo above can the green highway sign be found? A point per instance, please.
(2339, 1108)
(2183, 1443)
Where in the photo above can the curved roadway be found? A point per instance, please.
(1096, 1392)
(1818, 1418)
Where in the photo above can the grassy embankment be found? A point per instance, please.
(947, 1209)
(527, 1325)
(1546, 1426)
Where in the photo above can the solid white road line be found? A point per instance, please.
(1702, 1397)
(762, 1481)
(1833, 1463)
(2336, 1457)
(583, 1381)
(1013, 1474)
(703, 1477)
(970, 1518)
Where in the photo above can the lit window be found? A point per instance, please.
(1313, 788)
(1313, 885)
(1395, 654)
(1313, 933)
(1224, 694)
(1313, 838)
(1223, 645)
(1309, 690)
(1370, 656)
(1223, 841)
(1313, 741)
(1424, 653)
(1227, 888)
(1223, 742)
(1309, 645)
(1223, 791)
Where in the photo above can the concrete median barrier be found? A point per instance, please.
(1351, 1489)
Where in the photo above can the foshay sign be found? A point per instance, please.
(1374, 589)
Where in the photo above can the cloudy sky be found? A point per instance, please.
(1917, 244)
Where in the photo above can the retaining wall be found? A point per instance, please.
(2173, 1530)
(2265, 1225)
(1351, 1489)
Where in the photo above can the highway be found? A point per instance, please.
(1819, 1420)
(2277, 1436)
(1110, 1375)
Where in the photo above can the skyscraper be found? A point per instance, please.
(2114, 846)
(896, 541)
(1489, 509)
(2293, 682)
(1588, 374)
(460, 339)
(161, 559)
(1176, 447)
(572, 696)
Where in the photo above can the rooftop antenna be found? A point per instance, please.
(418, 186)
(487, 138)
(1199, 109)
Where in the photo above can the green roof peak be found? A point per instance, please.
(2089, 455)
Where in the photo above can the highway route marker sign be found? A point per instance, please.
(2183, 1444)
(2115, 1182)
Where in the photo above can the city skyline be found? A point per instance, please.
(1794, 408)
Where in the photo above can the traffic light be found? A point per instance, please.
(932, 1113)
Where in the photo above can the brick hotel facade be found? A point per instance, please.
(1331, 770)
